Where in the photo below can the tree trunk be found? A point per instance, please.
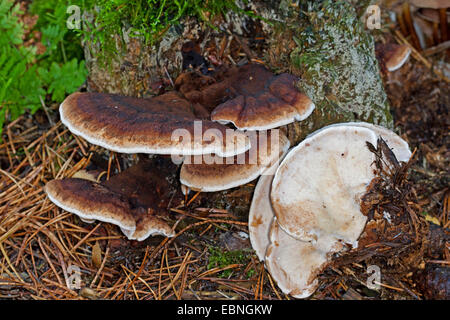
(322, 42)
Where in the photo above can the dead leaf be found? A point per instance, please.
(96, 255)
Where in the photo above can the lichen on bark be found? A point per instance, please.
(326, 45)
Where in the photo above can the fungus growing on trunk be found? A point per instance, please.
(311, 207)
(250, 97)
(136, 199)
(133, 125)
(209, 174)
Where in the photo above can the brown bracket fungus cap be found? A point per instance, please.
(216, 173)
(261, 100)
(134, 199)
(91, 201)
(133, 125)
(392, 56)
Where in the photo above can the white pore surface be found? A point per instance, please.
(261, 213)
(317, 188)
(294, 264)
(260, 216)
(141, 236)
(399, 147)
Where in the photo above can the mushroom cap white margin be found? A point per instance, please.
(189, 151)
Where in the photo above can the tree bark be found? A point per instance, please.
(322, 42)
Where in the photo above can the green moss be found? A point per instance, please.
(220, 258)
(146, 19)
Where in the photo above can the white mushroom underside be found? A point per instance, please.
(317, 188)
(131, 235)
(260, 216)
(399, 147)
(294, 264)
(261, 213)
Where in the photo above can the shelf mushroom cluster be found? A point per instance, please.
(216, 157)
(310, 208)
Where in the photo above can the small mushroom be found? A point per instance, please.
(133, 125)
(213, 173)
(392, 56)
(135, 199)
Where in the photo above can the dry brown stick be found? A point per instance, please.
(49, 261)
(420, 58)
(139, 271)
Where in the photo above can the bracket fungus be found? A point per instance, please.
(176, 123)
(250, 97)
(392, 56)
(135, 199)
(311, 207)
(214, 173)
(292, 263)
(316, 189)
(154, 125)
(261, 100)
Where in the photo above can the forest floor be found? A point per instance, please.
(210, 257)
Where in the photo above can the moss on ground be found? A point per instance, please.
(220, 258)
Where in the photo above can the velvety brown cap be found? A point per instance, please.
(216, 173)
(392, 56)
(136, 199)
(261, 100)
(154, 125)
(92, 201)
